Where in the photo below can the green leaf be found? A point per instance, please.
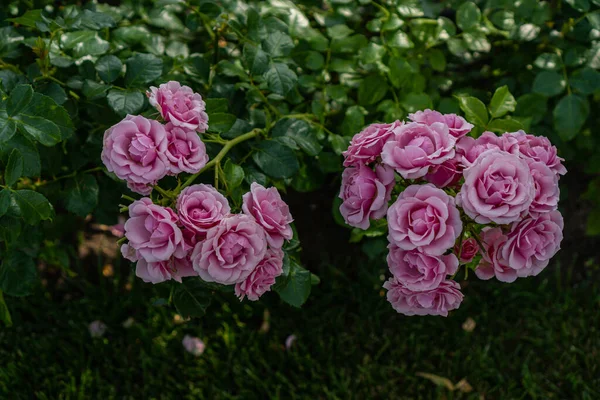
(297, 285)
(475, 111)
(19, 99)
(579, 5)
(278, 44)
(17, 274)
(4, 313)
(548, 61)
(314, 61)
(414, 102)
(84, 43)
(585, 81)
(109, 68)
(339, 31)
(220, 122)
(569, 116)
(532, 105)
(30, 18)
(502, 102)
(44, 131)
(468, 16)
(81, 194)
(5, 200)
(32, 206)
(350, 44)
(41, 111)
(549, 83)
(218, 105)
(256, 59)
(280, 78)
(94, 90)
(96, 20)
(275, 159)
(234, 174)
(14, 168)
(301, 132)
(399, 40)
(31, 157)
(437, 60)
(354, 121)
(8, 127)
(192, 298)
(142, 69)
(504, 125)
(476, 41)
(125, 102)
(372, 89)
(54, 91)
(400, 71)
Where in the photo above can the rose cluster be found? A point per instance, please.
(199, 235)
(489, 203)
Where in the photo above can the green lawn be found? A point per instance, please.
(536, 338)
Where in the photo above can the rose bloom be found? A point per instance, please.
(417, 271)
(447, 173)
(425, 218)
(498, 188)
(365, 194)
(416, 147)
(185, 151)
(468, 149)
(134, 149)
(157, 272)
(539, 148)
(446, 297)
(180, 106)
(231, 251)
(547, 191)
(458, 126)
(200, 207)
(270, 211)
(526, 250)
(365, 147)
(152, 231)
(193, 345)
(468, 251)
(263, 277)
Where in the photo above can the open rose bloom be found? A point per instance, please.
(452, 200)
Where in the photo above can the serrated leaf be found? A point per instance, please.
(192, 298)
(14, 168)
(474, 109)
(300, 132)
(234, 174)
(504, 125)
(28, 150)
(45, 108)
(549, 83)
(372, 89)
(280, 78)
(468, 16)
(142, 69)
(81, 194)
(218, 105)
(94, 90)
(19, 98)
(109, 68)
(256, 59)
(275, 159)
(30, 18)
(8, 127)
(125, 102)
(278, 44)
(569, 115)
(40, 129)
(297, 286)
(502, 102)
(220, 122)
(17, 274)
(5, 200)
(32, 206)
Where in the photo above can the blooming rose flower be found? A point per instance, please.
(193, 345)
(157, 272)
(468, 149)
(185, 151)
(270, 211)
(425, 218)
(134, 149)
(200, 207)
(263, 277)
(366, 146)
(180, 106)
(491, 263)
(458, 126)
(416, 147)
(231, 251)
(417, 271)
(365, 194)
(547, 191)
(539, 149)
(446, 297)
(498, 187)
(447, 173)
(469, 248)
(153, 232)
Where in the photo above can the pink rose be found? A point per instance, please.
(491, 263)
(446, 297)
(153, 232)
(539, 149)
(263, 277)
(190, 238)
(180, 106)
(185, 152)
(134, 149)
(365, 194)
(193, 345)
(468, 149)
(157, 272)
(417, 271)
(416, 147)
(200, 207)
(270, 211)
(468, 251)
(458, 126)
(366, 146)
(547, 191)
(231, 251)
(129, 252)
(498, 187)
(424, 218)
(447, 173)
